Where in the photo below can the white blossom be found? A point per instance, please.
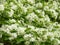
(58, 41)
(24, 9)
(47, 18)
(39, 5)
(13, 6)
(32, 39)
(27, 36)
(31, 1)
(12, 20)
(27, 43)
(11, 12)
(46, 8)
(13, 26)
(13, 35)
(21, 30)
(32, 16)
(30, 21)
(32, 27)
(1, 7)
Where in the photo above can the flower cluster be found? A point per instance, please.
(30, 22)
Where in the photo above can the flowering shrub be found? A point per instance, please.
(30, 22)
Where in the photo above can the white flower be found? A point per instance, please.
(52, 38)
(1, 7)
(39, 39)
(38, 11)
(31, 17)
(39, 5)
(47, 18)
(11, 13)
(10, 38)
(21, 30)
(58, 41)
(58, 25)
(37, 30)
(11, 3)
(57, 34)
(32, 39)
(53, 13)
(14, 35)
(5, 28)
(55, 5)
(27, 36)
(31, 1)
(24, 10)
(46, 8)
(13, 6)
(41, 30)
(12, 20)
(13, 26)
(42, 14)
(50, 35)
(30, 9)
(27, 43)
(45, 37)
(32, 27)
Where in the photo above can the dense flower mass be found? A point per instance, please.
(29, 22)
